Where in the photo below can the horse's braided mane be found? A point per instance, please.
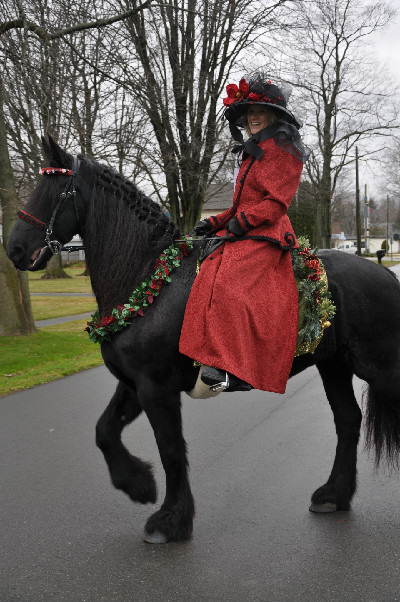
(125, 232)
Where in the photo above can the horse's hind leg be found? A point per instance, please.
(128, 473)
(174, 520)
(338, 491)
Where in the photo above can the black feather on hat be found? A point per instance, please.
(258, 90)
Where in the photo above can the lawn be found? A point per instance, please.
(389, 263)
(76, 284)
(49, 354)
(54, 351)
(54, 307)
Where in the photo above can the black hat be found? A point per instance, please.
(258, 90)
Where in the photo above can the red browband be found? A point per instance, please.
(56, 171)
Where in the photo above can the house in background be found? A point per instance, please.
(218, 199)
(341, 242)
(337, 239)
(78, 255)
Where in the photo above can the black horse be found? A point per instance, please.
(124, 232)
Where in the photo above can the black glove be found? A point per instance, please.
(203, 227)
(234, 227)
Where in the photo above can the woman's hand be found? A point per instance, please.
(203, 227)
(234, 227)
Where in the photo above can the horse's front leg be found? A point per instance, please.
(338, 491)
(128, 473)
(174, 520)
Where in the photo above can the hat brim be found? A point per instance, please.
(236, 111)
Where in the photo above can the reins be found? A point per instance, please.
(69, 191)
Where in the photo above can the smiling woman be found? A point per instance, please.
(232, 324)
(258, 118)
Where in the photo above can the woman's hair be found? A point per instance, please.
(272, 119)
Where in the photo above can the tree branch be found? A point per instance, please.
(23, 23)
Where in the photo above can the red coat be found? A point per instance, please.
(242, 313)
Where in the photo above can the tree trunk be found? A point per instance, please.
(54, 269)
(15, 304)
(324, 230)
(8, 195)
(323, 221)
(16, 316)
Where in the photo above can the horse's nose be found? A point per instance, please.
(16, 253)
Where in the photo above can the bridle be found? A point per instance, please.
(69, 191)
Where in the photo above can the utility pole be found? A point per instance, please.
(387, 225)
(358, 220)
(367, 218)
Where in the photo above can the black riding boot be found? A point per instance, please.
(219, 380)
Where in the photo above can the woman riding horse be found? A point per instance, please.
(124, 233)
(241, 319)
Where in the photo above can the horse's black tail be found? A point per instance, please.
(382, 421)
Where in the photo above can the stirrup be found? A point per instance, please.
(219, 387)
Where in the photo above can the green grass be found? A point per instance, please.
(54, 351)
(75, 284)
(49, 354)
(56, 307)
(387, 264)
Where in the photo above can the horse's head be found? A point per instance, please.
(53, 213)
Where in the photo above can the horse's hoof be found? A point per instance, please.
(323, 508)
(155, 537)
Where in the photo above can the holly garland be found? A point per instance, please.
(316, 308)
(101, 329)
(315, 305)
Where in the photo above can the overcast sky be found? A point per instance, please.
(386, 48)
(387, 44)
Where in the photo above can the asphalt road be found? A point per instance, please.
(67, 535)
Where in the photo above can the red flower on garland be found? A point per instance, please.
(155, 284)
(312, 263)
(107, 321)
(236, 93)
(184, 248)
(163, 263)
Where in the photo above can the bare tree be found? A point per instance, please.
(15, 305)
(176, 60)
(302, 211)
(393, 169)
(344, 97)
(16, 314)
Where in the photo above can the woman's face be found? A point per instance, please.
(257, 118)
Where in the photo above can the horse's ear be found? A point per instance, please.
(55, 154)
